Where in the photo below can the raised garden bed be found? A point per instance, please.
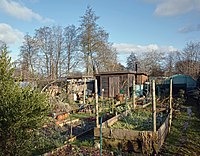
(140, 119)
(133, 136)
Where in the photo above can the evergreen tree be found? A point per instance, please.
(94, 44)
(22, 112)
(131, 62)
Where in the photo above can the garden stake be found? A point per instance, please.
(133, 93)
(170, 105)
(154, 105)
(101, 136)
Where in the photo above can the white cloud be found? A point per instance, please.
(10, 35)
(189, 28)
(125, 48)
(21, 12)
(175, 7)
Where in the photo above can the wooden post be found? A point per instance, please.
(96, 104)
(112, 105)
(170, 105)
(84, 90)
(101, 136)
(154, 105)
(102, 102)
(133, 92)
(126, 104)
(102, 93)
(140, 85)
(70, 126)
(128, 85)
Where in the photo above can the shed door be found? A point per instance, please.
(113, 86)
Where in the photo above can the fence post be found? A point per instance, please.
(96, 104)
(70, 126)
(84, 89)
(170, 105)
(101, 136)
(126, 104)
(154, 105)
(102, 102)
(133, 92)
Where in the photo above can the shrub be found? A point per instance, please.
(22, 112)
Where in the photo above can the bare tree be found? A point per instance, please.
(71, 48)
(45, 40)
(106, 59)
(54, 51)
(28, 56)
(150, 62)
(169, 63)
(189, 60)
(57, 52)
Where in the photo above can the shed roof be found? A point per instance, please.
(120, 73)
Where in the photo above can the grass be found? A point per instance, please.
(86, 143)
(184, 138)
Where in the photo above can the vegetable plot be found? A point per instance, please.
(140, 119)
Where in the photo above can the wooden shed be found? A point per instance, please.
(114, 83)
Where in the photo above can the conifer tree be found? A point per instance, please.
(22, 112)
(131, 62)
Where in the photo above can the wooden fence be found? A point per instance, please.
(146, 142)
(163, 131)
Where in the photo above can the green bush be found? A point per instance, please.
(22, 112)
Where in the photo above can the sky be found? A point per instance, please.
(133, 25)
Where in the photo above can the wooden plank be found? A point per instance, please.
(113, 86)
(110, 86)
(111, 121)
(163, 131)
(104, 85)
(121, 134)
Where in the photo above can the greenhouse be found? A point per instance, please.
(180, 81)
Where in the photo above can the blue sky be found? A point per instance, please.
(133, 25)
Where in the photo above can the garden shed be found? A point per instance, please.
(113, 83)
(181, 82)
